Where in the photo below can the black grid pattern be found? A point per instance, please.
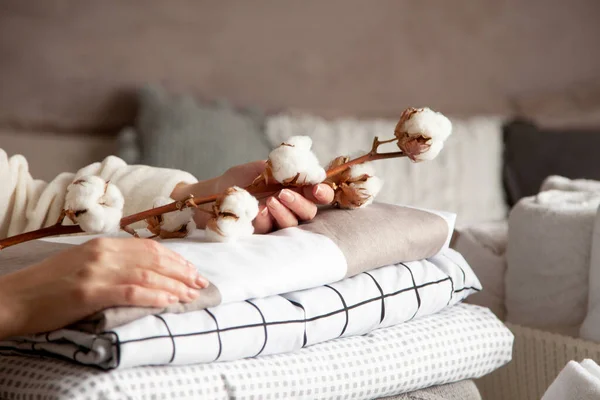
(313, 315)
(460, 342)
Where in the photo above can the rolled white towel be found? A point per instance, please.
(577, 381)
(548, 258)
(555, 182)
(590, 329)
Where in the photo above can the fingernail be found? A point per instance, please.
(317, 190)
(173, 299)
(202, 281)
(192, 293)
(287, 196)
(264, 211)
(273, 202)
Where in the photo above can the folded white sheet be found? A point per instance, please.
(379, 298)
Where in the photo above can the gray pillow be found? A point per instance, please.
(203, 139)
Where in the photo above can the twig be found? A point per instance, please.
(192, 201)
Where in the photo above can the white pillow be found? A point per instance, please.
(464, 179)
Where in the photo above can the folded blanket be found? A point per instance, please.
(548, 255)
(484, 247)
(335, 245)
(460, 342)
(577, 381)
(379, 298)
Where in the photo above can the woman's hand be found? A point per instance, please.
(283, 210)
(99, 274)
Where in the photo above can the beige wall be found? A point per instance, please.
(71, 66)
(49, 154)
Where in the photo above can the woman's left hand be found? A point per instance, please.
(284, 209)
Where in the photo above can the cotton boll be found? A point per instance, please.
(431, 124)
(239, 202)
(174, 220)
(434, 149)
(100, 219)
(94, 204)
(84, 191)
(228, 229)
(370, 188)
(421, 133)
(287, 162)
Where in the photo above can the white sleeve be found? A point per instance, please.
(27, 204)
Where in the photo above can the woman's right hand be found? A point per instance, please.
(101, 273)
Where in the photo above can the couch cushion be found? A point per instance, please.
(203, 139)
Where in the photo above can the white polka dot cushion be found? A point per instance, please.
(461, 342)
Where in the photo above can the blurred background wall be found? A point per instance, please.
(69, 69)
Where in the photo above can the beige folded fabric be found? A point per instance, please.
(350, 241)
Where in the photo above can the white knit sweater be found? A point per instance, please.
(27, 204)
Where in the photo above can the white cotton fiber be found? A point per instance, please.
(100, 219)
(430, 124)
(112, 197)
(294, 157)
(94, 204)
(358, 170)
(172, 221)
(300, 142)
(229, 229)
(240, 203)
(83, 192)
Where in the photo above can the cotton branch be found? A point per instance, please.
(420, 135)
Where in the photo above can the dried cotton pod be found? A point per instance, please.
(356, 187)
(95, 204)
(294, 163)
(175, 224)
(233, 214)
(421, 133)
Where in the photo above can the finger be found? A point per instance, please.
(152, 280)
(263, 222)
(319, 194)
(133, 295)
(283, 217)
(150, 254)
(303, 208)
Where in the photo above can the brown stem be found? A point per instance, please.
(363, 159)
(192, 202)
(40, 233)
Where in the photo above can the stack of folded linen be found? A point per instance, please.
(362, 303)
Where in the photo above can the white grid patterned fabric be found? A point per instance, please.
(461, 342)
(379, 298)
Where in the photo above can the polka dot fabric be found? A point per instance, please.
(460, 342)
